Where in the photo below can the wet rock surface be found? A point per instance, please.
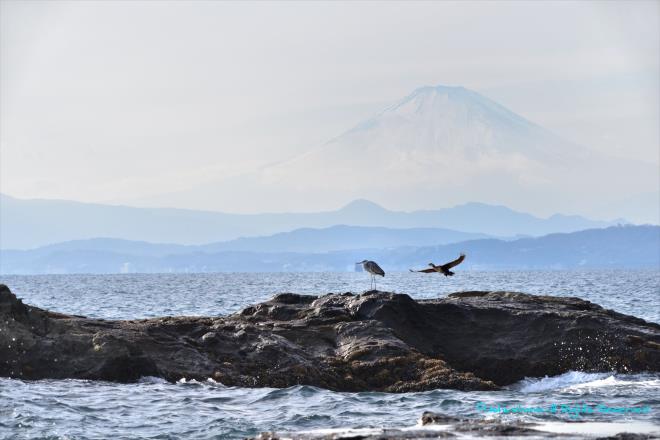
(371, 341)
(440, 426)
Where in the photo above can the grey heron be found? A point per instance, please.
(444, 269)
(373, 268)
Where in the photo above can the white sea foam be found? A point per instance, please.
(606, 382)
(599, 428)
(579, 380)
(152, 380)
(614, 381)
(569, 379)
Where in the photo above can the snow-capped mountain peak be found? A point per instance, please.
(433, 137)
(441, 146)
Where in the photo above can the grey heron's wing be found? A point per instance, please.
(456, 262)
(430, 270)
(374, 268)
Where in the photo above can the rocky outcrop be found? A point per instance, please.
(372, 341)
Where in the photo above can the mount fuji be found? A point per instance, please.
(439, 146)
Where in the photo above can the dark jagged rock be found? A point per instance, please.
(373, 341)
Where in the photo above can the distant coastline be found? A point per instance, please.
(629, 247)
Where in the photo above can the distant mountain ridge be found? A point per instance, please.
(32, 223)
(305, 240)
(342, 237)
(613, 247)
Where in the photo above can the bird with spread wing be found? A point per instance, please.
(444, 269)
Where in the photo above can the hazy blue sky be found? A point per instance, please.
(115, 101)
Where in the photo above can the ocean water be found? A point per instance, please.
(153, 408)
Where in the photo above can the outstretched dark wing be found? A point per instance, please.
(456, 262)
(430, 270)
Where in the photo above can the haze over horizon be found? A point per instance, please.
(187, 107)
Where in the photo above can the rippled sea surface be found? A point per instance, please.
(74, 409)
